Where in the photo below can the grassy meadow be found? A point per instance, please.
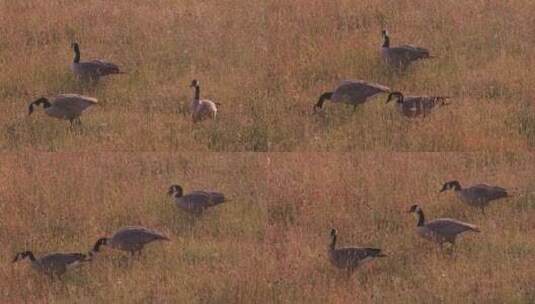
(269, 243)
(267, 62)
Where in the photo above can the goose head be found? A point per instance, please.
(175, 190)
(455, 185)
(395, 95)
(23, 255)
(194, 83)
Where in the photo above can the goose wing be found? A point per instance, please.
(410, 52)
(99, 67)
(74, 102)
(352, 256)
(137, 235)
(61, 259)
(351, 91)
(486, 192)
(448, 226)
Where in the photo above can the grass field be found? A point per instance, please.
(267, 62)
(269, 243)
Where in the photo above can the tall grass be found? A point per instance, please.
(268, 244)
(267, 63)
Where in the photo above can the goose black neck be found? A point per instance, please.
(323, 97)
(421, 218)
(76, 54)
(333, 243)
(197, 92)
(386, 43)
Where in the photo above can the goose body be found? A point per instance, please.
(349, 258)
(131, 239)
(416, 106)
(197, 201)
(401, 56)
(201, 109)
(478, 196)
(441, 230)
(64, 106)
(91, 70)
(54, 263)
(353, 92)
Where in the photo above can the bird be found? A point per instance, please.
(201, 108)
(401, 56)
(92, 70)
(478, 196)
(441, 230)
(349, 258)
(416, 106)
(64, 106)
(353, 92)
(197, 201)
(131, 239)
(53, 264)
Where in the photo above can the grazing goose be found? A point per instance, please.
(201, 108)
(54, 263)
(349, 258)
(91, 70)
(401, 56)
(64, 106)
(352, 92)
(476, 196)
(197, 201)
(131, 239)
(414, 106)
(440, 230)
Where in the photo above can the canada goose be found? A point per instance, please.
(477, 195)
(91, 70)
(401, 56)
(131, 239)
(440, 230)
(414, 106)
(352, 92)
(349, 258)
(201, 108)
(197, 201)
(64, 106)
(54, 263)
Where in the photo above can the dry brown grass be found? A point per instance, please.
(267, 245)
(267, 62)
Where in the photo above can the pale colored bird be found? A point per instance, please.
(201, 108)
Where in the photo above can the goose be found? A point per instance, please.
(349, 258)
(201, 108)
(441, 230)
(401, 56)
(64, 106)
(352, 92)
(54, 263)
(131, 239)
(91, 70)
(197, 201)
(415, 106)
(478, 196)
